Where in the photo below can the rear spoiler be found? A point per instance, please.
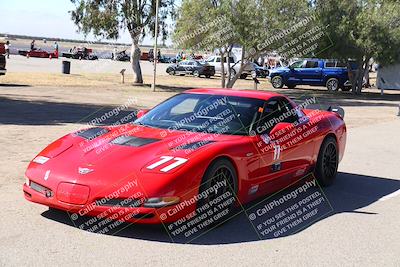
(338, 110)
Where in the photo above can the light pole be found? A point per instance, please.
(155, 49)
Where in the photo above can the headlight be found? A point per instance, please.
(158, 202)
(40, 159)
(27, 181)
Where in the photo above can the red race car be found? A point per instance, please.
(199, 149)
(38, 53)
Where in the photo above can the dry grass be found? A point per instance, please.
(101, 79)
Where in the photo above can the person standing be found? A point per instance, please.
(56, 48)
(7, 48)
(33, 45)
(114, 54)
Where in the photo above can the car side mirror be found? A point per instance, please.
(141, 113)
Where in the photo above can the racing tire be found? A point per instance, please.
(171, 72)
(327, 162)
(277, 82)
(219, 171)
(332, 84)
(196, 73)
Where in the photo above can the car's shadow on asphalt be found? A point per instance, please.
(350, 193)
(13, 85)
(45, 112)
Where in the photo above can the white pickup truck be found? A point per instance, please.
(235, 66)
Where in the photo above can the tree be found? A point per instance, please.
(106, 18)
(210, 35)
(362, 30)
(226, 23)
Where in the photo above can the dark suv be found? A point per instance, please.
(192, 67)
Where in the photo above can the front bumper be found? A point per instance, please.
(3, 71)
(140, 215)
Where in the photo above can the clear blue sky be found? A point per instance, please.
(47, 18)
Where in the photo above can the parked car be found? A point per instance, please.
(315, 72)
(3, 65)
(195, 68)
(198, 57)
(2, 49)
(151, 55)
(80, 53)
(122, 56)
(144, 56)
(234, 65)
(38, 53)
(166, 59)
(202, 150)
(261, 72)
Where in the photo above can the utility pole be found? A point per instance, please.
(155, 49)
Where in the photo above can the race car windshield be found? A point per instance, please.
(205, 113)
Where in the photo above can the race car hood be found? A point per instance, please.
(102, 156)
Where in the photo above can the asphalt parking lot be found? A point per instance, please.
(361, 229)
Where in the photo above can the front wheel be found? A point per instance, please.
(171, 72)
(196, 73)
(218, 189)
(332, 84)
(327, 163)
(277, 82)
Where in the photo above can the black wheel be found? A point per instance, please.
(243, 76)
(196, 73)
(291, 86)
(171, 72)
(327, 163)
(219, 185)
(332, 84)
(277, 82)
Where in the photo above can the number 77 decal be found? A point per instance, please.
(165, 159)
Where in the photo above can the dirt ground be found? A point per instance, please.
(363, 229)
